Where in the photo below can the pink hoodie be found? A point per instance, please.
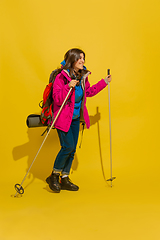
(60, 90)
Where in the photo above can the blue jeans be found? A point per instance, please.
(68, 141)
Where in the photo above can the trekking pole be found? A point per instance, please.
(18, 187)
(111, 178)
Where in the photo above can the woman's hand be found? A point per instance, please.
(73, 83)
(108, 78)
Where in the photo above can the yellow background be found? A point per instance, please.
(123, 36)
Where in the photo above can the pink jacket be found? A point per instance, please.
(60, 90)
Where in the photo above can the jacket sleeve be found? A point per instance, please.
(96, 88)
(60, 89)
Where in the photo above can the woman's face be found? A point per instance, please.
(79, 64)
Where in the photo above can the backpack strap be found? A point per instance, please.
(41, 104)
(83, 124)
(46, 130)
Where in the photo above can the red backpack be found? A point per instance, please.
(47, 103)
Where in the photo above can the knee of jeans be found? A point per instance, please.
(70, 148)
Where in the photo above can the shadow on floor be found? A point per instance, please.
(43, 164)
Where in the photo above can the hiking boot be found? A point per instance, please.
(66, 184)
(53, 181)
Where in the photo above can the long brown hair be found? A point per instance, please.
(72, 56)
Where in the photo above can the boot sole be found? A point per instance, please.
(69, 189)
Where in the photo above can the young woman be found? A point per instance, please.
(73, 75)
